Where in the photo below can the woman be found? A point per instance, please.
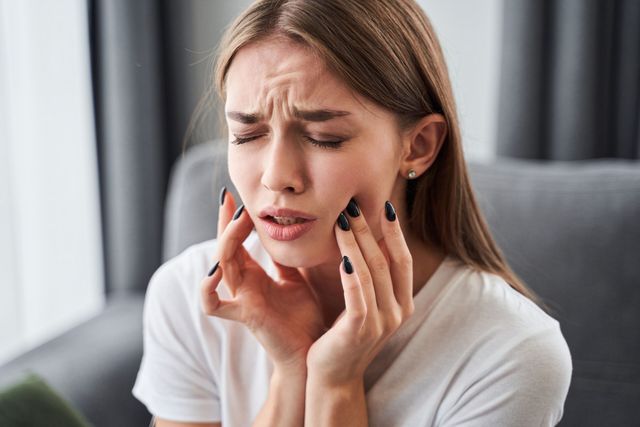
(358, 283)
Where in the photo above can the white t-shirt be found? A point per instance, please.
(474, 353)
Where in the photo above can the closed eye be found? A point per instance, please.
(324, 144)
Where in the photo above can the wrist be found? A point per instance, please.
(293, 368)
(289, 374)
(346, 387)
(330, 403)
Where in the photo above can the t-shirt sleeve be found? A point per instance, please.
(174, 381)
(525, 384)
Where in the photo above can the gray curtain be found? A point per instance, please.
(570, 79)
(150, 63)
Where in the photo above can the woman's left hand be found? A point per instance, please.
(378, 297)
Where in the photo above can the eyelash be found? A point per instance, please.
(323, 144)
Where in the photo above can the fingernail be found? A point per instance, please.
(389, 211)
(238, 212)
(343, 222)
(352, 208)
(223, 193)
(213, 269)
(348, 268)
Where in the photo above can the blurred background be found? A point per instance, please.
(96, 97)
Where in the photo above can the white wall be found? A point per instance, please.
(470, 32)
(51, 272)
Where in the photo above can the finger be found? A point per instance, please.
(230, 251)
(354, 300)
(349, 247)
(401, 263)
(227, 205)
(211, 303)
(374, 257)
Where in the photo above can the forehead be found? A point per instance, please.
(282, 71)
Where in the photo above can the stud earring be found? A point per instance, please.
(412, 174)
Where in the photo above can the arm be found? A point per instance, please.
(283, 315)
(328, 405)
(285, 403)
(377, 285)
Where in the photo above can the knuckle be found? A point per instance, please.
(408, 310)
(406, 261)
(395, 231)
(350, 286)
(371, 333)
(378, 264)
(366, 281)
(358, 317)
(207, 307)
(393, 321)
(359, 227)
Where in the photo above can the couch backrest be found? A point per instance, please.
(571, 230)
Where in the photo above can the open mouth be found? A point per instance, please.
(285, 220)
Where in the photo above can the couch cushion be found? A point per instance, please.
(93, 365)
(191, 210)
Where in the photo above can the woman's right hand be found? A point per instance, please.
(284, 315)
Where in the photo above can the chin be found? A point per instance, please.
(305, 253)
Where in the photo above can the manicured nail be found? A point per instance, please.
(223, 193)
(352, 208)
(389, 211)
(213, 269)
(348, 268)
(343, 222)
(238, 212)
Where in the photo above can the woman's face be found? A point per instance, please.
(274, 84)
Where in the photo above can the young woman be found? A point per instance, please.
(357, 284)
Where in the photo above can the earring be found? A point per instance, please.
(412, 174)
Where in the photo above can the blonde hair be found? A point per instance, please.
(388, 52)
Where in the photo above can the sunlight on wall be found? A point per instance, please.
(50, 244)
(470, 32)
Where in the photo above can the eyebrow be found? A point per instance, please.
(307, 115)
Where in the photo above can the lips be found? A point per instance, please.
(285, 224)
(284, 213)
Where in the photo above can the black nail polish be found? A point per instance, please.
(352, 208)
(213, 269)
(238, 212)
(223, 193)
(343, 222)
(348, 268)
(389, 211)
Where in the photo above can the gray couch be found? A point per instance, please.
(571, 230)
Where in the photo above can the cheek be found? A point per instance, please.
(243, 175)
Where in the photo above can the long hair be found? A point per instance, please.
(388, 52)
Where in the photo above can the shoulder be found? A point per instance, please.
(487, 301)
(514, 350)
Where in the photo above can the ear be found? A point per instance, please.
(422, 144)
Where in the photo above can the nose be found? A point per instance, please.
(283, 167)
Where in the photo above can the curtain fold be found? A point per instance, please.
(570, 79)
(151, 62)
(130, 111)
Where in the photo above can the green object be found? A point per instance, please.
(32, 403)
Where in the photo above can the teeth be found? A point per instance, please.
(285, 220)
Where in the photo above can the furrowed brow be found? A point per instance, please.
(322, 115)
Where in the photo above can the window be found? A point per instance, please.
(50, 240)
